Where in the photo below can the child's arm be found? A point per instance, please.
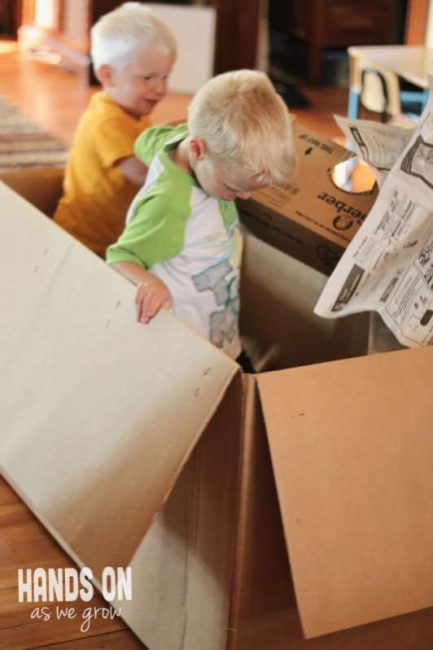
(152, 293)
(133, 169)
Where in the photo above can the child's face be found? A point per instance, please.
(140, 85)
(218, 182)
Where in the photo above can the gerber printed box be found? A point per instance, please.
(313, 219)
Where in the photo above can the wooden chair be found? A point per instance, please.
(378, 90)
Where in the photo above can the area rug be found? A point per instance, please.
(24, 144)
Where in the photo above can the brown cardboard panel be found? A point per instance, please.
(264, 612)
(42, 187)
(352, 453)
(98, 413)
(262, 582)
(313, 220)
(278, 294)
(183, 568)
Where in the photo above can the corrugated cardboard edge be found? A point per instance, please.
(248, 415)
(261, 581)
(186, 561)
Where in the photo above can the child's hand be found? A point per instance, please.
(150, 298)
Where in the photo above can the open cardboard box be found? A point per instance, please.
(145, 446)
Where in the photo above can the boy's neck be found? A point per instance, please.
(181, 157)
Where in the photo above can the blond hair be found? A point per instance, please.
(245, 124)
(120, 34)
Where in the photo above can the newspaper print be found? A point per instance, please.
(388, 266)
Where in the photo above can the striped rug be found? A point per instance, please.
(23, 144)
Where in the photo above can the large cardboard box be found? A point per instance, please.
(250, 508)
(313, 219)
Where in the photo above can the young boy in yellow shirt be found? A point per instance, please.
(182, 243)
(132, 53)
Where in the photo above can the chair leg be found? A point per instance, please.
(414, 97)
(353, 104)
(385, 98)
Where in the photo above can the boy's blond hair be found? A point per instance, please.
(120, 34)
(245, 125)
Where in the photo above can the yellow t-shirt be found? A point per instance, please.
(96, 195)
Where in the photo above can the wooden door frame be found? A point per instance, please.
(416, 22)
(25, 12)
(73, 54)
(237, 33)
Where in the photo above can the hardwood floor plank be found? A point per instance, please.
(25, 544)
(112, 641)
(19, 630)
(7, 495)
(40, 634)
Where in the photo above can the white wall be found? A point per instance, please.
(194, 29)
(45, 14)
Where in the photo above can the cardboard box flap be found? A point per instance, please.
(98, 412)
(183, 569)
(352, 451)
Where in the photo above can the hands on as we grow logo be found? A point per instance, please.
(70, 584)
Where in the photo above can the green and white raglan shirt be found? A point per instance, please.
(188, 239)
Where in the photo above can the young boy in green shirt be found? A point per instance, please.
(182, 243)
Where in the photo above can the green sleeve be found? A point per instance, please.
(157, 231)
(152, 140)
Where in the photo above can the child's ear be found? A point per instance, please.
(104, 74)
(197, 147)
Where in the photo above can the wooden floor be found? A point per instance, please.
(55, 99)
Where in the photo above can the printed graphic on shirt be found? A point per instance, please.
(223, 283)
